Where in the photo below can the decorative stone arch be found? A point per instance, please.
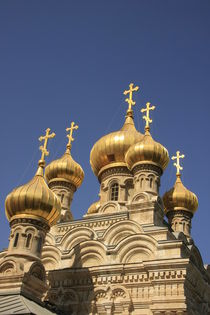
(8, 267)
(141, 197)
(51, 257)
(49, 239)
(113, 297)
(136, 248)
(120, 230)
(37, 270)
(110, 207)
(69, 300)
(87, 254)
(76, 236)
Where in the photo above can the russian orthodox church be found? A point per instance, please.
(123, 256)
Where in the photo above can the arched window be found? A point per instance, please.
(28, 240)
(150, 182)
(16, 240)
(142, 180)
(114, 191)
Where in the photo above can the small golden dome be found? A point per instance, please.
(94, 207)
(110, 150)
(147, 151)
(33, 200)
(180, 198)
(65, 168)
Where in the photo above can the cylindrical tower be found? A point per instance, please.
(180, 203)
(147, 159)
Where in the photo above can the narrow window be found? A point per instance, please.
(142, 180)
(16, 240)
(28, 240)
(150, 182)
(114, 191)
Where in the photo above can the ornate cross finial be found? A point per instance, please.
(177, 157)
(43, 148)
(71, 139)
(147, 118)
(130, 92)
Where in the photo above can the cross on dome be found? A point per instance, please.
(130, 99)
(147, 118)
(177, 157)
(43, 148)
(69, 136)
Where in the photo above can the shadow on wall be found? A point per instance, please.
(72, 290)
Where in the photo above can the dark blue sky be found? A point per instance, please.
(71, 60)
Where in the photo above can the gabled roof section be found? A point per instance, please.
(18, 304)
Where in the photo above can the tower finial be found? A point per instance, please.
(147, 118)
(69, 136)
(130, 99)
(43, 148)
(177, 157)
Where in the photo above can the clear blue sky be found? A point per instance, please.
(71, 60)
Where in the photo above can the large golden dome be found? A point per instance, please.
(110, 150)
(147, 151)
(33, 200)
(65, 168)
(180, 198)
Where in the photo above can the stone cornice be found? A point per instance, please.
(25, 221)
(118, 170)
(147, 167)
(61, 183)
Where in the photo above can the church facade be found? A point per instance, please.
(122, 257)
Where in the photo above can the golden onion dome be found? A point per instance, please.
(147, 151)
(180, 198)
(110, 150)
(33, 200)
(65, 168)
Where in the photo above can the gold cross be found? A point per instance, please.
(71, 139)
(177, 164)
(43, 148)
(147, 118)
(130, 100)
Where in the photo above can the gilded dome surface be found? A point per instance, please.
(33, 200)
(94, 207)
(110, 150)
(180, 198)
(147, 151)
(65, 168)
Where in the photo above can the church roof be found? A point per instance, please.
(18, 304)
